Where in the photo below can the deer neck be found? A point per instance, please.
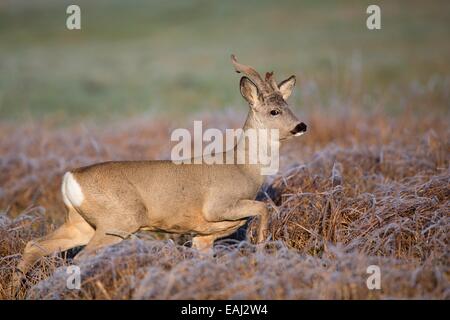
(250, 146)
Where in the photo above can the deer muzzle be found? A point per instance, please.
(299, 129)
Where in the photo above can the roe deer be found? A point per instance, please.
(106, 202)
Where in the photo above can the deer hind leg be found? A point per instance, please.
(101, 239)
(204, 244)
(115, 224)
(241, 210)
(74, 232)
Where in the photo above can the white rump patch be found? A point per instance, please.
(71, 191)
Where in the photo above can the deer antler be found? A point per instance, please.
(270, 79)
(250, 72)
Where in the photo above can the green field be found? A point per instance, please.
(173, 56)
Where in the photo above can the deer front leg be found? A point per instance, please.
(241, 210)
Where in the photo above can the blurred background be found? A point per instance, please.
(172, 57)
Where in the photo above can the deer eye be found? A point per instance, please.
(275, 112)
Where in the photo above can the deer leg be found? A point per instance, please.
(114, 223)
(241, 210)
(104, 237)
(74, 232)
(203, 244)
(98, 241)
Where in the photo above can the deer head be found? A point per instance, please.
(267, 101)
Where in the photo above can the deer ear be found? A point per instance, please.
(249, 91)
(287, 86)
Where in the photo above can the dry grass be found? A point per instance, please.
(356, 190)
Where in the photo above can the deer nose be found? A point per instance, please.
(299, 129)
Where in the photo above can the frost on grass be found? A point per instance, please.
(355, 191)
(142, 269)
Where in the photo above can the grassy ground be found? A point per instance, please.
(356, 190)
(368, 184)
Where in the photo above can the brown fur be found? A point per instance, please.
(210, 201)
